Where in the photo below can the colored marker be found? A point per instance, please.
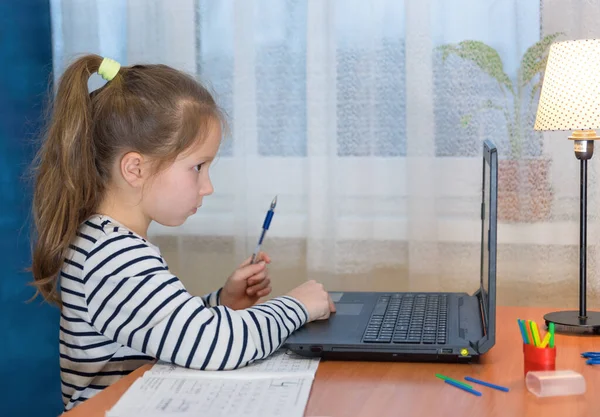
(534, 333)
(523, 332)
(486, 384)
(551, 330)
(462, 387)
(447, 378)
(546, 340)
(528, 330)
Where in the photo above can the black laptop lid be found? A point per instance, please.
(489, 209)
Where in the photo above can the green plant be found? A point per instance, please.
(516, 93)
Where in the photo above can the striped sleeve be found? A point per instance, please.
(134, 300)
(213, 299)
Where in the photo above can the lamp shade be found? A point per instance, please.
(570, 96)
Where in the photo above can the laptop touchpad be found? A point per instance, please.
(348, 309)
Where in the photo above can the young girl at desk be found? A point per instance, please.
(138, 150)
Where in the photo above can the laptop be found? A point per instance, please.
(411, 326)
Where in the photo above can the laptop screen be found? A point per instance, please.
(488, 232)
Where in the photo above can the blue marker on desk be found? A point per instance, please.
(463, 387)
(593, 358)
(486, 384)
(265, 227)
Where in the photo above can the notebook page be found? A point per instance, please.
(186, 397)
(281, 364)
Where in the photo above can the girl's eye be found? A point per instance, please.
(198, 167)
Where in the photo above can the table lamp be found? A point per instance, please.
(570, 100)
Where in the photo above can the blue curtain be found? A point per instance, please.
(29, 366)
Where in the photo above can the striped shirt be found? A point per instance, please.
(122, 308)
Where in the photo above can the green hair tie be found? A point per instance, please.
(108, 69)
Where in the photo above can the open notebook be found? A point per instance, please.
(276, 386)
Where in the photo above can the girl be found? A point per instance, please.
(135, 151)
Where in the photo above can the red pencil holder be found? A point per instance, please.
(538, 359)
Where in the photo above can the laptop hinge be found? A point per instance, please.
(475, 345)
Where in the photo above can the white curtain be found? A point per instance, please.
(372, 142)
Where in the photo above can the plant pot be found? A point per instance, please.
(524, 190)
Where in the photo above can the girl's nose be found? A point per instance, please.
(207, 188)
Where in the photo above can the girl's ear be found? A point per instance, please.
(134, 169)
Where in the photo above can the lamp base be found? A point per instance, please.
(569, 321)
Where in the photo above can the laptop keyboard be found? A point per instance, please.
(408, 318)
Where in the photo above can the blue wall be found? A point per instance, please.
(29, 368)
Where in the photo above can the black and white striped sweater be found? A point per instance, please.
(123, 308)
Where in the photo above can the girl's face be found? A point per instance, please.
(176, 192)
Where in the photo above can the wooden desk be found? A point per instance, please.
(411, 389)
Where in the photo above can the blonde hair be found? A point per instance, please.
(151, 109)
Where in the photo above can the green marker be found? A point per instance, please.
(447, 378)
(551, 329)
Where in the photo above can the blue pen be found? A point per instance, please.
(486, 384)
(462, 387)
(265, 227)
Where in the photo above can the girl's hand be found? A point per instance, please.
(247, 284)
(317, 301)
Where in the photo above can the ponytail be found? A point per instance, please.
(67, 186)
